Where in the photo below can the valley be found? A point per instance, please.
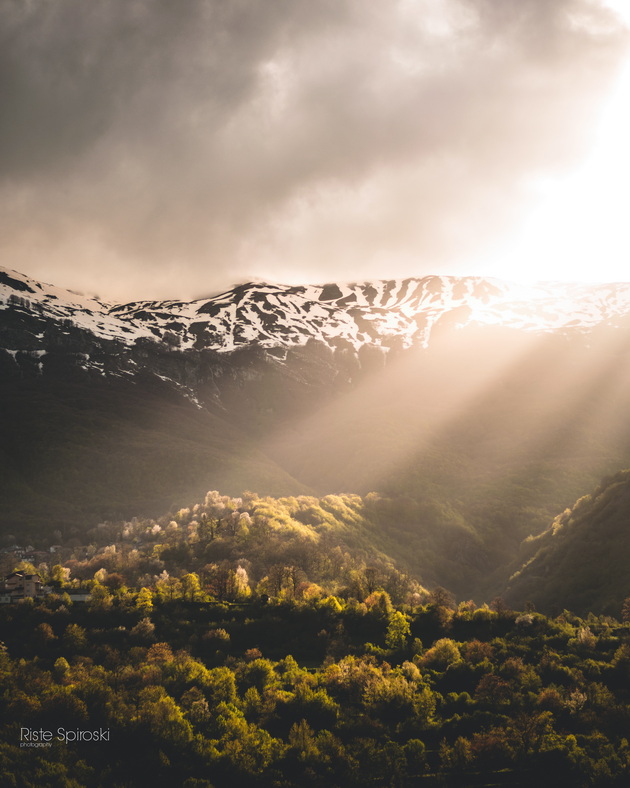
(479, 415)
(343, 535)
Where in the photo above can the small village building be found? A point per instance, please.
(79, 596)
(20, 585)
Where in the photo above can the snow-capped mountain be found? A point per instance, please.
(400, 312)
(463, 385)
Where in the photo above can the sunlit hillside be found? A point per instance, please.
(582, 560)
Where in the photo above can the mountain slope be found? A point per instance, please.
(582, 560)
(483, 407)
(73, 454)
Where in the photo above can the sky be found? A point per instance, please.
(153, 149)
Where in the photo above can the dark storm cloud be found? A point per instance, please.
(180, 146)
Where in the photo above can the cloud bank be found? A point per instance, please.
(155, 149)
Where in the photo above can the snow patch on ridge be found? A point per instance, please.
(349, 314)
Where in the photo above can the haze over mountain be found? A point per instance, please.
(480, 408)
(581, 562)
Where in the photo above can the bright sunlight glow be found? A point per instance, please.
(580, 229)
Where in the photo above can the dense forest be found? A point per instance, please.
(275, 642)
(348, 544)
(262, 641)
(169, 686)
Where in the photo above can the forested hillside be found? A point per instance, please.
(582, 560)
(280, 642)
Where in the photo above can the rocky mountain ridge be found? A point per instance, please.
(396, 312)
(323, 334)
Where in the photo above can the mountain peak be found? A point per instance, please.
(379, 313)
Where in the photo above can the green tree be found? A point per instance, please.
(43, 635)
(144, 600)
(74, 638)
(398, 631)
(168, 588)
(25, 566)
(58, 576)
(302, 740)
(100, 597)
(444, 652)
(143, 630)
(191, 587)
(159, 712)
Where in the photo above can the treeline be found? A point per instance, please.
(232, 548)
(311, 692)
(323, 536)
